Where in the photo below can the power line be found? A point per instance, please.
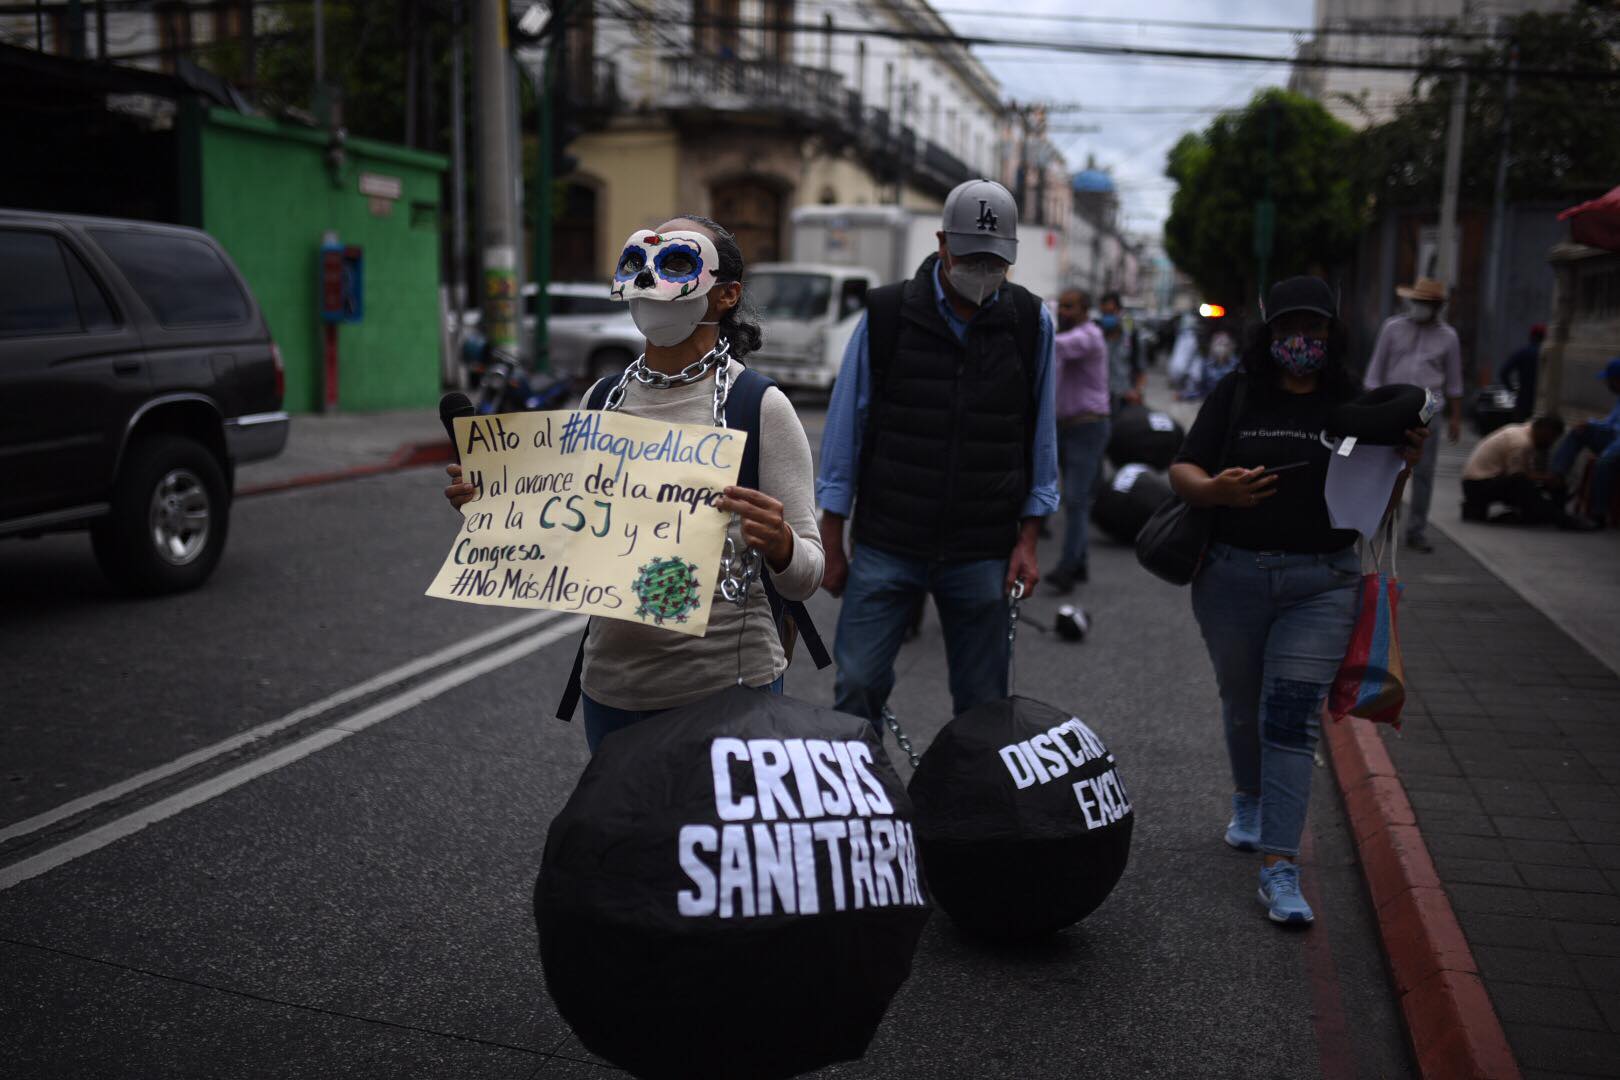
(1097, 49)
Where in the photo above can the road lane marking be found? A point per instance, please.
(359, 690)
(136, 820)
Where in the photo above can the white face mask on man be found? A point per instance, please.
(976, 280)
(1424, 312)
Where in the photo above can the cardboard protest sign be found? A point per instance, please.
(593, 512)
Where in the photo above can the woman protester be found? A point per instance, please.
(1276, 597)
(683, 282)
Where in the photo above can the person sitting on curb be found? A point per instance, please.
(1502, 469)
(1600, 437)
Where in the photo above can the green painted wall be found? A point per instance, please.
(267, 195)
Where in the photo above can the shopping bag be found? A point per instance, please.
(1371, 682)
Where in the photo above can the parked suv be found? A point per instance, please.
(136, 373)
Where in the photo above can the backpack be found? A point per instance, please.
(789, 616)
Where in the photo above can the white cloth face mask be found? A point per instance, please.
(975, 282)
(669, 322)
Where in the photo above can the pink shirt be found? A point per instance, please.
(1082, 371)
(1420, 354)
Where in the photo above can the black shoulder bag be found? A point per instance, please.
(1172, 543)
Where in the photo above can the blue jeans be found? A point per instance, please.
(1277, 627)
(1417, 524)
(1602, 442)
(603, 720)
(1080, 451)
(879, 597)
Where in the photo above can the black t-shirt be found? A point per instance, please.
(1276, 428)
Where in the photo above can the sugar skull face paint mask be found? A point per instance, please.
(665, 266)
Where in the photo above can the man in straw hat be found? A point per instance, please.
(1419, 348)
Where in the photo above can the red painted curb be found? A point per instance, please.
(408, 456)
(1452, 1025)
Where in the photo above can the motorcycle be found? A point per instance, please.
(503, 385)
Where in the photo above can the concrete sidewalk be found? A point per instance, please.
(1572, 578)
(322, 449)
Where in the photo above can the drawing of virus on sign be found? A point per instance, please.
(667, 589)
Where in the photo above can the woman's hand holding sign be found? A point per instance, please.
(763, 526)
(459, 492)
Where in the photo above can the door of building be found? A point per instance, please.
(752, 209)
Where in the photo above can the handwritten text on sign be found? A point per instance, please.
(595, 512)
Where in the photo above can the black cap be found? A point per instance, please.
(1300, 294)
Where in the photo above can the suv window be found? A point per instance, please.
(182, 279)
(94, 307)
(36, 295)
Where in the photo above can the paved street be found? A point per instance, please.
(363, 908)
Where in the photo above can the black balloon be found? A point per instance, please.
(1380, 416)
(732, 891)
(1024, 824)
(1141, 434)
(1123, 505)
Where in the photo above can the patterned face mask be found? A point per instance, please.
(1300, 355)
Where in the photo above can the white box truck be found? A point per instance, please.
(810, 306)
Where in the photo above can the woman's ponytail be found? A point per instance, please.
(740, 324)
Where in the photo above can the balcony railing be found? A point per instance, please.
(801, 97)
(734, 85)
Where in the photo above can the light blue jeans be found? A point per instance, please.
(1080, 446)
(603, 720)
(882, 591)
(1277, 627)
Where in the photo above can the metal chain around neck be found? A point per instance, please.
(717, 360)
(737, 572)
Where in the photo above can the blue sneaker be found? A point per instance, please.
(1243, 832)
(1279, 891)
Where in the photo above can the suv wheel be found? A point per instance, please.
(169, 516)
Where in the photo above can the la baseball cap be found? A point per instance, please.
(1611, 370)
(981, 216)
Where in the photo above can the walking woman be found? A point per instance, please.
(683, 282)
(1277, 596)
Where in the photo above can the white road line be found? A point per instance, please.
(133, 822)
(297, 716)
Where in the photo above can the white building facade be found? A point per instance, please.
(1360, 30)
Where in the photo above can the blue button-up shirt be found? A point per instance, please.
(852, 396)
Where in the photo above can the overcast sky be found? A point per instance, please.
(1132, 146)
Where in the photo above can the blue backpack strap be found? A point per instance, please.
(742, 413)
(570, 699)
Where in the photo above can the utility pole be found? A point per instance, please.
(1445, 260)
(553, 81)
(1265, 211)
(458, 159)
(497, 172)
(1492, 322)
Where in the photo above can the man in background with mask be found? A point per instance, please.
(1418, 348)
(941, 438)
(1125, 374)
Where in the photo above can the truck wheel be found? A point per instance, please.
(170, 513)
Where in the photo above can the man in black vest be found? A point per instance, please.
(941, 427)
